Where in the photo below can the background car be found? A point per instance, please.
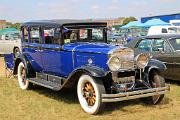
(10, 43)
(164, 48)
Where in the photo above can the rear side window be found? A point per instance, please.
(145, 45)
(51, 35)
(34, 35)
(158, 44)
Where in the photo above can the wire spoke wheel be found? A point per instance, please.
(23, 82)
(89, 93)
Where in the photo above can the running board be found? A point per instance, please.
(45, 83)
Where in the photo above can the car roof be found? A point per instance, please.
(135, 41)
(167, 36)
(64, 22)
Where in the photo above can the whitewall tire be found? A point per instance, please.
(23, 83)
(89, 94)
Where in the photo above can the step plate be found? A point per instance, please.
(45, 83)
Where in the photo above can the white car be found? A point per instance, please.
(10, 43)
(163, 30)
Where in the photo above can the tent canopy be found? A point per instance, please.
(133, 24)
(8, 30)
(155, 22)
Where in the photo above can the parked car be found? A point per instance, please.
(54, 55)
(163, 30)
(10, 43)
(164, 48)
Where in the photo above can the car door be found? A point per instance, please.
(162, 51)
(51, 51)
(175, 43)
(31, 46)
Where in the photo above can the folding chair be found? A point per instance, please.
(9, 65)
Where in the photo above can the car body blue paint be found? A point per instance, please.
(68, 58)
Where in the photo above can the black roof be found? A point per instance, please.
(132, 43)
(63, 22)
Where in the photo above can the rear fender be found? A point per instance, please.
(22, 58)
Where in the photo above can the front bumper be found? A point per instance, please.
(134, 94)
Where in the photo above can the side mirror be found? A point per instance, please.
(160, 50)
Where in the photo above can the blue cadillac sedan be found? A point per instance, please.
(65, 53)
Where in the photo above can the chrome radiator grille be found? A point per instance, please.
(126, 56)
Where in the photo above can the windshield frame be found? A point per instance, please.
(89, 36)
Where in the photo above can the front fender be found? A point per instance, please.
(155, 64)
(92, 70)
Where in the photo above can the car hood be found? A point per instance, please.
(91, 47)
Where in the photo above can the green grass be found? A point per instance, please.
(44, 104)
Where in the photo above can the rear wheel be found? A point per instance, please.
(89, 94)
(156, 81)
(23, 82)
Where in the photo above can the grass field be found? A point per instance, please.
(43, 104)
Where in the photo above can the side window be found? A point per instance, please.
(25, 34)
(51, 35)
(158, 44)
(161, 45)
(34, 35)
(145, 45)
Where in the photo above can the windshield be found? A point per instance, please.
(176, 44)
(84, 35)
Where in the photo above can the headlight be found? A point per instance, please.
(114, 63)
(141, 60)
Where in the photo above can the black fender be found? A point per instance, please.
(22, 58)
(94, 71)
(153, 64)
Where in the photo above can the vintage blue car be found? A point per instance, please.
(65, 53)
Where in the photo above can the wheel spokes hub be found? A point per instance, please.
(89, 94)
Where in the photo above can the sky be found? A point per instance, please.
(26, 10)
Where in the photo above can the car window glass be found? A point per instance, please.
(25, 34)
(145, 45)
(158, 44)
(164, 30)
(175, 44)
(51, 35)
(83, 35)
(34, 35)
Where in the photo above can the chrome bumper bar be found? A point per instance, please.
(134, 94)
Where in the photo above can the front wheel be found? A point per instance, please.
(89, 94)
(156, 80)
(23, 82)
